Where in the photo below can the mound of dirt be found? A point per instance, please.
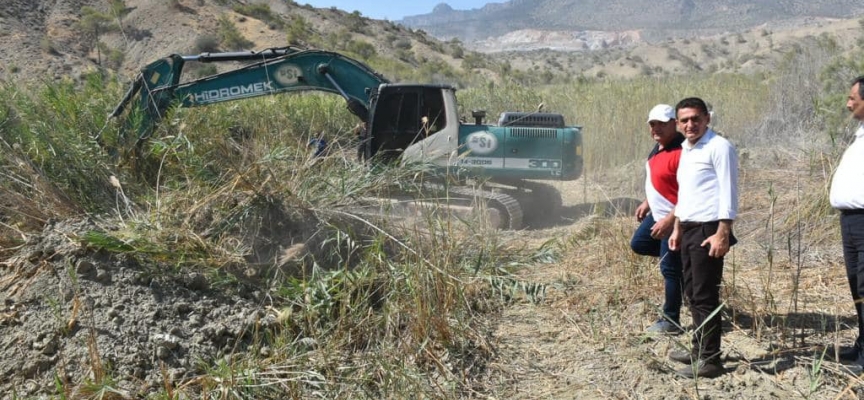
(88, 315)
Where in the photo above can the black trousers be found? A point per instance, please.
(702, 277)
(852, 232)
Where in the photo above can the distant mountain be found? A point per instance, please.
(654, 18)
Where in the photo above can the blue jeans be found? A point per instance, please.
(670, 265)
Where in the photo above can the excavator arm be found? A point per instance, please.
(273, 71)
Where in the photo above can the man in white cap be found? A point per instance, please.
(656, 213)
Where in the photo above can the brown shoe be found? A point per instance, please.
(681, 356)
(702, 368)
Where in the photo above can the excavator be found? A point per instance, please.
(402, 123)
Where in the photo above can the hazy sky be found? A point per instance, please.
(394, 10)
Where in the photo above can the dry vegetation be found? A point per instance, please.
(756, 50)
(345, 305)
(67, 40)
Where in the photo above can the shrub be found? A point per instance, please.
(355, 22)
(46, 45)
(298, 30)
(406, 56)
(363, 49)
(402, 44)
(457, 51)
(206, 43)
(230, 37)
(261, 12)
(473, 60)
(94, 23)
(115, 58)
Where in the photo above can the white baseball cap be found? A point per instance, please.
(662, 113)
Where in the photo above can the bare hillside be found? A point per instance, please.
(48, 40)
(656, 19)
(761, 49)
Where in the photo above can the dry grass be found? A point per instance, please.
(785, 291)
(407, 310)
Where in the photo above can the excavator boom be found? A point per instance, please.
(273, 71)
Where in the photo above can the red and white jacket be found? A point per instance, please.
(661, 181)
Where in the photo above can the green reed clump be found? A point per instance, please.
(52, 165)
(613, 111)
(367, 306)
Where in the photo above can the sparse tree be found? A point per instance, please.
(118, 8)
(92, 24)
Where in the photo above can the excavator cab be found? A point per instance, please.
(402, 115)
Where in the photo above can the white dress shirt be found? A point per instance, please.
(707, 180)
(847, 185)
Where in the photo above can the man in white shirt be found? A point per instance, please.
(847, 195)
(707, 205)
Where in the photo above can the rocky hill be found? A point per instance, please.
(655, 19)
(51, 39)
(538, 41)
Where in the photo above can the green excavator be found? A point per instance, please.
(406, 123)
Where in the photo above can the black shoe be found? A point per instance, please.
(681, 356)
(850, 354)
(703, 368)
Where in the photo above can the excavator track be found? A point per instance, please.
(541, 206)
(460, 200)
(509, 208)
